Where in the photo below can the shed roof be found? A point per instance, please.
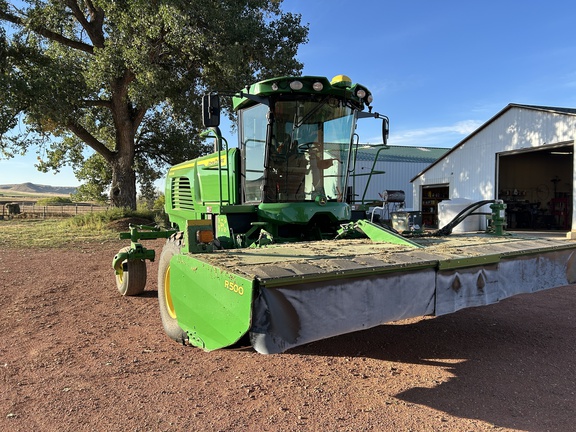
(558, 110)
(401, 154)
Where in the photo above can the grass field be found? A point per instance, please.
(57, 232)
(21, 233)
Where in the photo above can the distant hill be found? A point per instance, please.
(36, 189)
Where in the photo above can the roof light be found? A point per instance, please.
(361, 93)
(369, 99)
(296, 85)
(318, 86)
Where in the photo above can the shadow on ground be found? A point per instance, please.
(513, 364)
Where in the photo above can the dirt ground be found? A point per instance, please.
(76, 356)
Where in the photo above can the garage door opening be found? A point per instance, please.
(431, 197)
(537, 187)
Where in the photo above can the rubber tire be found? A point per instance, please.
(132, 281)
(170, 324)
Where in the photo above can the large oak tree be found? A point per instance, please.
(112, 87)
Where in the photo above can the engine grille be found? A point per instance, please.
(182, 194)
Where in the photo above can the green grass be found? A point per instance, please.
(89, 227)
(47, 233)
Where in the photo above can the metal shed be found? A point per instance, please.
(396, 166)
(523, 155)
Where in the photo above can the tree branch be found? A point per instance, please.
(56, 37)
(138, 116)
(92, 142)
(93, 27)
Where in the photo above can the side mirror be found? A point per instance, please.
(211, 110)
(385, 123)
(385, 129)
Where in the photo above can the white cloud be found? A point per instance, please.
(437, 136)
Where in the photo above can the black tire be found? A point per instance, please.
(131, 280)
(167, 313)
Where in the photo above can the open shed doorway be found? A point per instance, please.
(432, 195)
(537, 187)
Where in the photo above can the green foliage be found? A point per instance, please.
(99, 220)
(161, 218)
(93, 220)
(147, 197)
(113, 88)
(97, 177)
(54, 201)
(159, 203)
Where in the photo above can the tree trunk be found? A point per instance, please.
(123, 188)
(126, 120)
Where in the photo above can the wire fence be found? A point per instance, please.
(16, 209)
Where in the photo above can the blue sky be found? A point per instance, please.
(438, 69)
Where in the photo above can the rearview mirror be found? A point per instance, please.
(211, 110)
(385, 129)
(385, 123)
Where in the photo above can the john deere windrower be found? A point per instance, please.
(269, 247)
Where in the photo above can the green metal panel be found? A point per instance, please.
(399, 154)
(194, 186)
(302, 212)
(460, 263)
(379, 234)
(281, 85)
(223, 233)
(212, 305)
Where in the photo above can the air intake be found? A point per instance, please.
(182, 194)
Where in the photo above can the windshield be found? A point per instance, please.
(253, 122)
(308, 152)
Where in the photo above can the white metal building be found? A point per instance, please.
(524, 155)
(395, 166)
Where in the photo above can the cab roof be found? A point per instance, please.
(340, 86)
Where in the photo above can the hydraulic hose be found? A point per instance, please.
(468, 211)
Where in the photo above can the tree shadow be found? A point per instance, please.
(513, 364)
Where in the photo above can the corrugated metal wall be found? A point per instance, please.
(397, 177)
(470, 169)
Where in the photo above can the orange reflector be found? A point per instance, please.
(204, 236)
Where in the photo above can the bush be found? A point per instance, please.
(100, 220)
(54, 201)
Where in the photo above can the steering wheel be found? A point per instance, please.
(305, 146)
